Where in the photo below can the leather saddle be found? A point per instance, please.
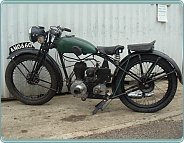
(142, 47)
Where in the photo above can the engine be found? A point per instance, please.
(90, 81)
(78, 87)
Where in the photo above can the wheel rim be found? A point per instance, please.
(155, 93)
(35, 89)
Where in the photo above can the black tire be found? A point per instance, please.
(19, 86)
(147, 98)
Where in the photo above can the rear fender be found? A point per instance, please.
(154, 52)
(48, 59)
(172, 63)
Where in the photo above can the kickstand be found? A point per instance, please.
(99, 106)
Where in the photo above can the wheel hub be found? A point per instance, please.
(35, 79)
(146, 87)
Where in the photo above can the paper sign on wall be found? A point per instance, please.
(162, 13)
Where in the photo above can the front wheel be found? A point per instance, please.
(156, 86)
(26, 88)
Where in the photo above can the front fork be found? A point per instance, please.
(38, 63)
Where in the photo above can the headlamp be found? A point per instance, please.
(35, 33)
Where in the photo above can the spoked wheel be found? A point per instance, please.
(29, 89)
(155, 88)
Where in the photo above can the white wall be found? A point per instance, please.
(101, 24)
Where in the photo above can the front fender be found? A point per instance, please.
(154, 52)
(23, 51)
(48, 58)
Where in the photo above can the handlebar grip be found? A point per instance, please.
(66, 29)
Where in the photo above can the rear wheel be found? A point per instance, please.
(156, 88)
(35, 91)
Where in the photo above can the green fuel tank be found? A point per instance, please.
(65, 44)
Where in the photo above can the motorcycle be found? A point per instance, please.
(145, 80)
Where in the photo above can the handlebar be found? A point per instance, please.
(63, 28)
(66, 29)
(57, 30)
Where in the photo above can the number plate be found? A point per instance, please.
(20, 46)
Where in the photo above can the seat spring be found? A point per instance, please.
(117, 58)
